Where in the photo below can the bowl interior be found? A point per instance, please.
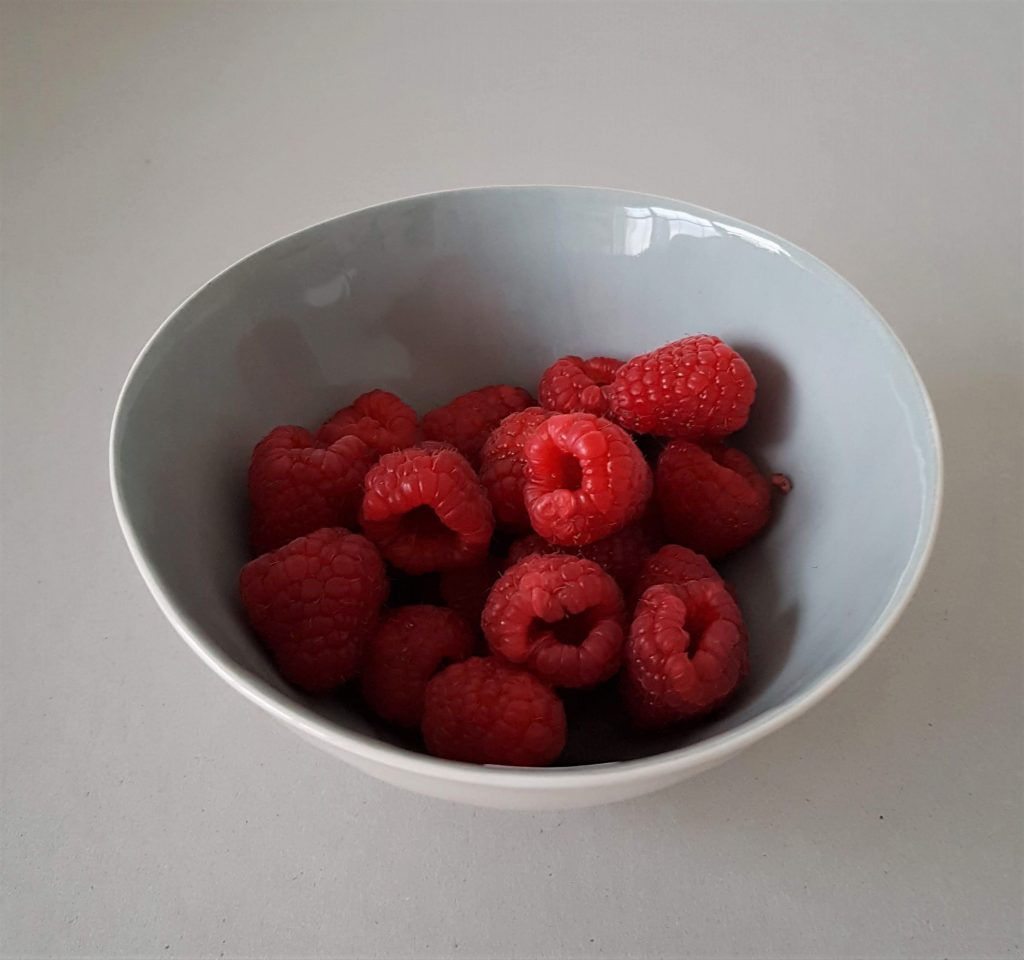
(432, 296)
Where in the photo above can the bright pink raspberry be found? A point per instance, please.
(315, 603)
(484, 711)
(712, 499)
(380, 419)
(298, 485)
(425, 510)
(586, 479)
(575, 385)
(467, 421)
(410, 646)
(503, 466)
(686, 652)
(696, 388)
(560, 616)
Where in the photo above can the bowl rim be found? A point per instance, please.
(704, 753)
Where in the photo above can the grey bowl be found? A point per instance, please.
(433, 295)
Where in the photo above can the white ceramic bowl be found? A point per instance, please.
(433, 295)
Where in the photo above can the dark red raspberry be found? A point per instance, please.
(561, 616)
(410, 646)
(531, 545)
(675, 565)
(425, 509)
(695, 388)
(712, 499)
(315, 603)
(465, 590)
(575, 385)
(468, 420)
(686, 652)
(298, 485)
(380, 419)
(585, 479)
(484, 711)
(503, 466)
(621, 555)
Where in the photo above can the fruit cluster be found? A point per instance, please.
(508, 550)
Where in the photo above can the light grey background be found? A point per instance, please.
(150, 812)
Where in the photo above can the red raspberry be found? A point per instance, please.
(484, 711)
(686, 652)
(529, 546)
(503, 467)
(315, 602)
(468, 420)
(621, 555)
(297, 485)
(409, 647)
(575, 385)
(380, 419)
(585, 479)
(465, 590)
(696, 388)
(561, 616)
(425, 509)
(675, 565)
(712, 499)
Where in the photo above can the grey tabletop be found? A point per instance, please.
(151, 812)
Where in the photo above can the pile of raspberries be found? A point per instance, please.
(508, 549)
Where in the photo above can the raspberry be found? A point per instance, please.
(465, 590)
(380, 419)
(315, 602)
(695, 388)
(531, 545)
(409, 647)
(467, 421)
(560, 616)
(585, 479)
(425, 509)
(484, 711)
(575, 385)
(674, 565)
(503, 467)
(712, 499)
(298, 485)
(686, 652)
(621, 555)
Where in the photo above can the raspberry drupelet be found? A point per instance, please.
(622, 555)
(298, 484)
(380, 419)
(409, 647)
(686, 652)
(503, 466)
(560, 616)
(425, 510)
(696, 388)
(467, 421)
(712, 498)
(586, 479)
(575, 385)
(485, 711)
(315, 603)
